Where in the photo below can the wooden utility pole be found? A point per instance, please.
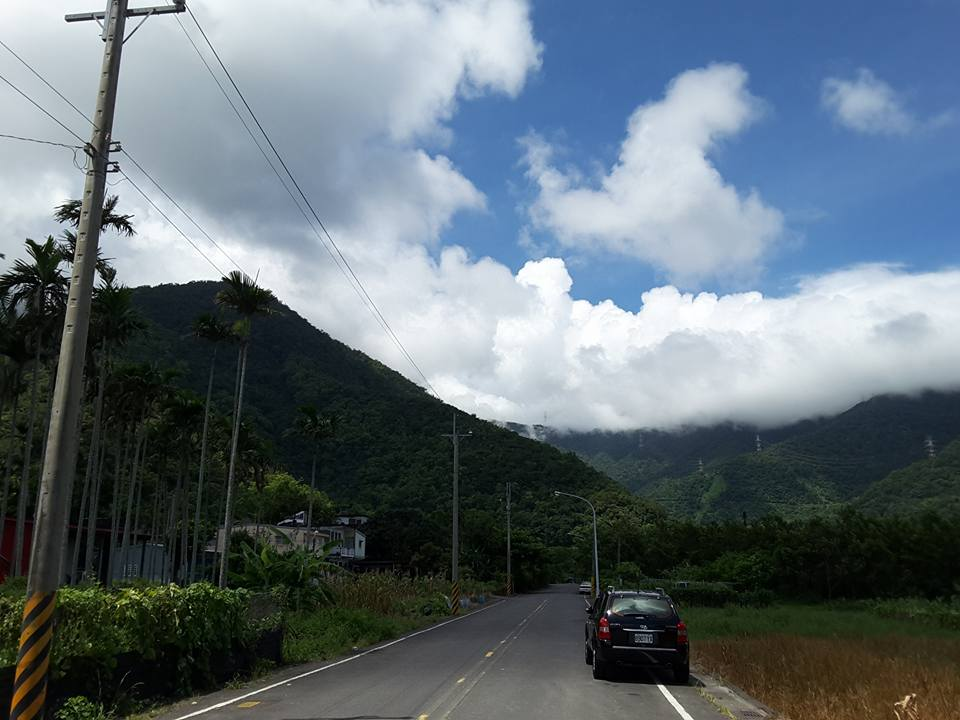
(60, 458)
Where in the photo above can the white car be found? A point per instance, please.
(585, 587)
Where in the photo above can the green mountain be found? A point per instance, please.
(802, 470)
(389, 457)
(931, 484)
(636, 459)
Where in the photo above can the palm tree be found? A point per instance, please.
(215, 331)
(39, 288)
(149, 387)
(14, 347)
(314, 428)
(245, 297)
(181, 413)
(113, 322)
(69, 212)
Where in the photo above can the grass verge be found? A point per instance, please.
(329, 632)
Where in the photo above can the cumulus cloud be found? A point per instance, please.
(359, 99)
(866, 104)
(664, 201)
(357, 96)
(699, 359)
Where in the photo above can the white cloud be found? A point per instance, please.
(700, 359)
(359, 100)
(664, 202)
(866, 104)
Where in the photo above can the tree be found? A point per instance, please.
(242, 295)
(69, 212)
(281, 496)
(39, 289)
(314, 428)
(113, 322)
(212, 329)
(14, 348)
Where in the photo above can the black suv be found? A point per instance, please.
(636, 627)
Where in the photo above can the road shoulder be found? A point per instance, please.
(729, 699)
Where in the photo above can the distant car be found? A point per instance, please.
(636, 628)
(586, 587)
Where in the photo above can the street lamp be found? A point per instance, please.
(596, 556)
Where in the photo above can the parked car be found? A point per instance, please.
(586, 587)
(636, 628)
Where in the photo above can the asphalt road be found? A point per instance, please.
(520, 658)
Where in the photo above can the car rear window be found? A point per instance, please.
(641, 606)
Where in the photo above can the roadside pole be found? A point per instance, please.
(455, 545)
(509, 554)
(59, 463)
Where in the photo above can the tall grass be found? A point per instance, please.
(811, 678)
(832, 662)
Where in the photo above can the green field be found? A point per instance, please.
(838, 620)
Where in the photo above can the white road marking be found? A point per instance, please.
(374, 649)
(676, 703)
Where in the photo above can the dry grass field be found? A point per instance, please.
(823, 664)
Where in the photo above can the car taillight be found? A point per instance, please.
(681, 633)
(603, 632)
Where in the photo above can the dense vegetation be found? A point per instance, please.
(213, 399)
(804, 469)
(928, 485)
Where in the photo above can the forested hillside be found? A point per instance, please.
(928, 485)
(388, 456)
(803, 469)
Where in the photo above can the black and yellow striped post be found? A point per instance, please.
(33, 660)
(455, 598)
(509, 586)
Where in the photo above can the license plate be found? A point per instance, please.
(643, 638)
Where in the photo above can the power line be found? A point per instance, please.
(41, 142)
(41, 109)
(44, 81)
(371, 304)
(185, 213)
(131, 158)
(175, 226)
(127, 177)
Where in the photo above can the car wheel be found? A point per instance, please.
(681, 673)
(599, 667)
(588, 654)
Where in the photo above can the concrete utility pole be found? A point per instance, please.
(509, 554)
(455, 553)
(60, 458)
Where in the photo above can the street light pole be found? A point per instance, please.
(596, 555)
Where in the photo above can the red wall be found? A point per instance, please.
(7, 544)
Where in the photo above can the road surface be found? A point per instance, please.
(520, 658)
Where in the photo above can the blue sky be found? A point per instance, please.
(847, 197)
(778, 242)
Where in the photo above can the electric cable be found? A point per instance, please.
(371, 304)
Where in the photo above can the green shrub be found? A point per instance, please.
(934, 612)
(184, 627)
(80, 708)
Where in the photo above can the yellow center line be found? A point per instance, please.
(423, 717)
(489, 654)
(248, 704)
(460, 680)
